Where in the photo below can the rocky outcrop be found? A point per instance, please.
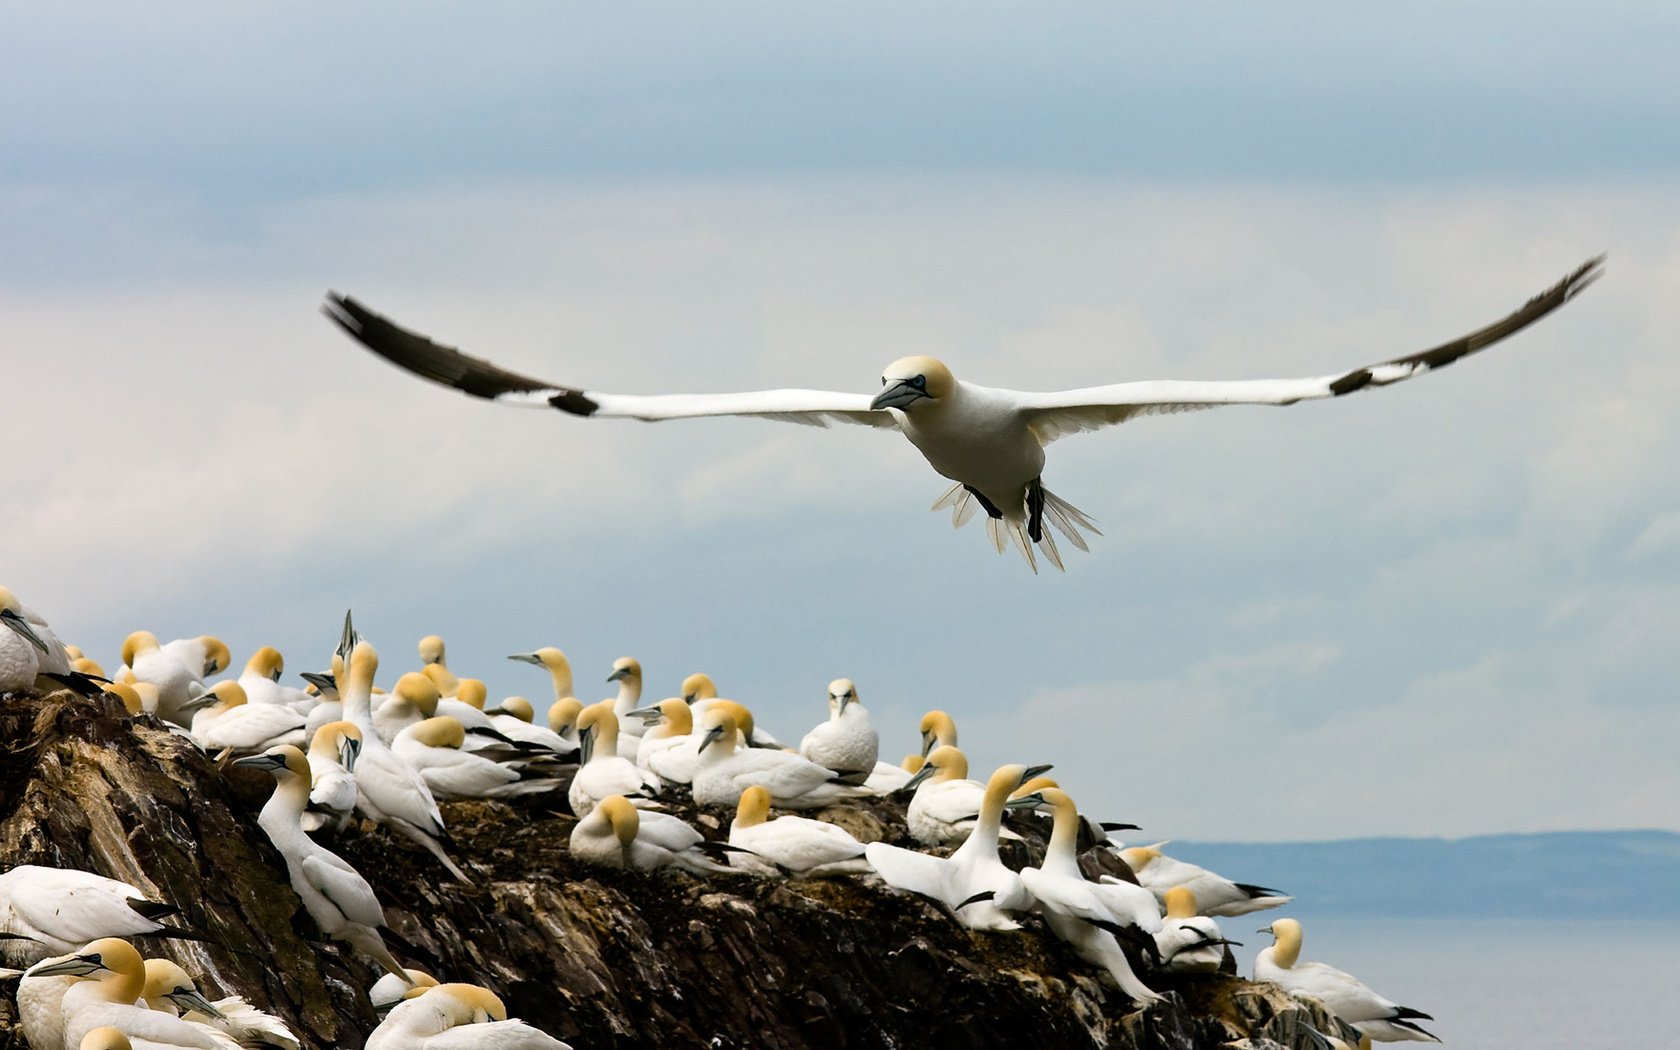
(600, 959)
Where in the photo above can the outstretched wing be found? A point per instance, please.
(481, 378)
(1056, 414)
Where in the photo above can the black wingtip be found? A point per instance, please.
(1258, 891)
(154, 909)
(575, 402)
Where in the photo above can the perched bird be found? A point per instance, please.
(618, 835)
(172, 990)
(989, 441)
(799, 845)
(431, 655)
(1345, 996)
(332, 774)
(668, 747)
(847, 742)
(1189, 942)
(604, 772)
(555, 663)
(944, 808)
(413, 699)
(52, 911)
(335, 894)
(725, 769)
(1215, 894)
(389, 791)
(513, 718)
(456, 1017)
(109, 976)
(261, 682)
(1091, 916)
(701, 694)
(627, 672)
(938, 730)
(175, 669)
(231, 724)
(434, 748)
(562, 718)
(27, 646)
(391, 989)
(972, 883)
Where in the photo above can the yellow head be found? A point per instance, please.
(138, 644)
(266, 663)
(563, 714)
(743, 717)
(698, 687)
(841, 692)
(338, 741)
(148, 694)
(1181, 902)
(440, 732)
(677, 716)
(228, 695)
(105, 1038)
(472, 692)
(1287, 933)
(111, 961)
(164, 978)
(1036, 784)
(518, 707)
(129, 696)
(718, 729)
(937, 730)
(1139, 857)
(949, 763)
(913, 383)
(418, 690)
(441, 677)
(912, 763)
(470, 1004)
(754, 807)
(216, 655)
(623, 817)
(287, 764)
(431, 649)
(598, 726)
(626, 668)
(83, 665)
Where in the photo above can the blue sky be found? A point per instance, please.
(1445, 608)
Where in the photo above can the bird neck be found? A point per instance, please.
(1062, 855)
(562, 677)
(629, 695)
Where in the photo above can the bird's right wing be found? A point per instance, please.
(344, 887)
(481, 378)
(1059, 413)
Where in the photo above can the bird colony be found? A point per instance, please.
(349, 756)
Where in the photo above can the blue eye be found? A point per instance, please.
(919, 382)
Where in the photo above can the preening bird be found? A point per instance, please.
(989, 441)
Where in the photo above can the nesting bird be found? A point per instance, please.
(798, 845)
(1346, 996)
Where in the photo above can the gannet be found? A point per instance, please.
(172, 990)
(945, 806)
(972, 883)
(40, 1005)
(847, 742)
(627, 672)
(456, 1017)
(109, 979)
(562, 718)
(413, 699)
(725, 769)
(390, 989)
(513, 717)
(336, 896)
(798, 844)
(701, 693)
(53, 911)
(27, 646)
(431, 655)
(389, 791)
(261, 682)
(174, 668)
(1345, 996)
(1188, 941)
(332, 774)
(604, 772)
(1091, 916)
(1215, 894)
(938, 730)
(668, 747)
(232, 724)
(618, 835)
(989, 441)
(554, 661)
(105, 1038)
(434, 748)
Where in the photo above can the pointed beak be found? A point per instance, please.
(844, 700)
(649, 715)
(527, 658)
(17, 623)
(897, 395)
(621, 673)
(349, 749)
(927, 743)
(1033, 771)
(268, 762)
(921, 775)
(711, 735)
(323, 682)
(188, 999)
(1032, 801)
(204, 699)
(69, 966)
(586, 744)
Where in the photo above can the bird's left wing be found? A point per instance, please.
(1059, 413)
(481, 378)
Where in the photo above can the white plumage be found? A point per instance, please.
(799, 845)
(847, 742)
(57, 910)
(1215, 894)
(456, 1017)
(726, 769)
(1345, 995)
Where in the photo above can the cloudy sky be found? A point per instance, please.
(1447, 608)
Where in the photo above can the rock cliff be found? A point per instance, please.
(600, 959)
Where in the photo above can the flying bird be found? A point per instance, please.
(987, 440)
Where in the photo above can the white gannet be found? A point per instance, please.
(390, 989)
(456, 1017)
(232, 724)
(52, 911)
(618, 835)
(332, 775)
(627, 672)
(413, 699)
(389, 791)
(1091, 916)
(938, 730)
(800, 845)
(434, 748)
(1345, 996)
(261, 682)
(109, 977)
(725, 769)
(604, 772)
(431, 655)
(1189, 942)
(555, 663)
(701, 693)
(1215, 894)
(972, 883)
(27, 646)
(513, 718)
(946, 804)
(668, 747)
(466, 706)
(336, 896)
(847, 742)
(174, 668)
(172, 990)
(989, 441)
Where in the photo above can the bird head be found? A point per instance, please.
(911, 380)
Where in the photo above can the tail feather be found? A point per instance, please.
(1063, 516)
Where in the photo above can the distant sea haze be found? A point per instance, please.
(1550, 875)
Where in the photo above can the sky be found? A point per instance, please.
(1446, 608)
